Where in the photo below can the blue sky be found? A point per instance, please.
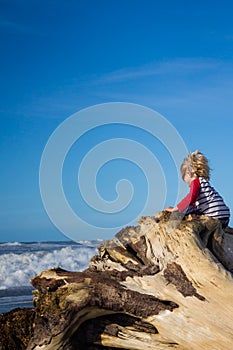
(59, 57)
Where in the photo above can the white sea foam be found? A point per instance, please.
(16, 269)
(10, 244)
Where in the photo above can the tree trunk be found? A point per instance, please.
(165, 284)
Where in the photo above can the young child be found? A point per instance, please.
(202, 198)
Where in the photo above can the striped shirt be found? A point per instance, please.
(209, 201)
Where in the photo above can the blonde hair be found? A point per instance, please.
(197, 164)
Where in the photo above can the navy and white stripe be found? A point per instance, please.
(209, 201)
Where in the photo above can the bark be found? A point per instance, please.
(16, 329)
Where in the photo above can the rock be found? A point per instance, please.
(165, 284)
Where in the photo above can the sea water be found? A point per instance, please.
(20, 262)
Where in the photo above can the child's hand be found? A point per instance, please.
(171, 209)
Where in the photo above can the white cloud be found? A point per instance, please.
(13, 26)
(182, 66)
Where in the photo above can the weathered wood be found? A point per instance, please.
(16, 329)
(154, 286)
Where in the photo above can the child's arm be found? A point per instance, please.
(191, 196)
(189, 199)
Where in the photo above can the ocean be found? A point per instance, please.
(19, 262)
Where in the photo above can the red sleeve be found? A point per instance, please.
(191, 197)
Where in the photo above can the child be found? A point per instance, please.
(202, 198)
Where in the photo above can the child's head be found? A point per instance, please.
(196, 164)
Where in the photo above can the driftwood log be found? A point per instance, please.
(165, 284)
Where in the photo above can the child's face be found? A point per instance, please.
(188, 178)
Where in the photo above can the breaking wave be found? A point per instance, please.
(19, 262)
